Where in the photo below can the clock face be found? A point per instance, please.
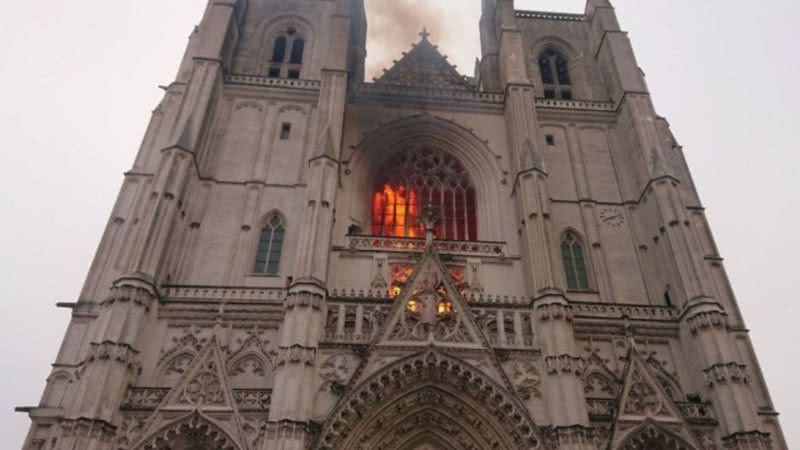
(612, 216)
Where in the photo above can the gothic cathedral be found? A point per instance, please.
(302, 260)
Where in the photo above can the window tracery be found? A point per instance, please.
(270, 246)
(554, 69)
(287, 54)
(415, 178)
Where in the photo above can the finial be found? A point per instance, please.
(429, 221)
(425, 35)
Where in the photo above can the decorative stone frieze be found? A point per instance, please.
(111, 351)
(295, 354)
(304, 300)
(87, 428)
(556, 310)
(726, 373)
(130, 294)
(705, 320)
(747, 441)
(564, 364)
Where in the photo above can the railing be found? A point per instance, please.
(429, 92)
(203, 293)
(275, 82)
(396, 244)
(550, 16)
(617, 311)
(584, 105)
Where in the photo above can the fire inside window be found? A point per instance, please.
(418, 177)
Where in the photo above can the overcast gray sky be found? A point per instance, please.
(79, 79)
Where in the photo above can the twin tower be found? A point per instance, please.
(512, 260)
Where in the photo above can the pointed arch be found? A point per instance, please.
(575, 261)
(434, 390)
(649, 436)
(269, 249)
(554, 65)
(287, 43)
(189, 432)
(381, 145)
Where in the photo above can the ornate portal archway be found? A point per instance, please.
(191, 432)
(429, 400)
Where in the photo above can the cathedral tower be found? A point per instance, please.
(299, 259)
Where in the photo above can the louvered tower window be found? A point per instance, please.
(554, 69)
(287, 55)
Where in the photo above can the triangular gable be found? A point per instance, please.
(645, 401)
(424, 66)
(204, 389)
(431, 310)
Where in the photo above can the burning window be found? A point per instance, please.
(418, 177)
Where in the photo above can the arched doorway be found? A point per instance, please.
(191, 432)
(429, 401)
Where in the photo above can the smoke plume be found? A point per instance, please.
(395, 24)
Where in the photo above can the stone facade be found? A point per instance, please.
(581, 303)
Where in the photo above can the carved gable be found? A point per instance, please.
(645, 401)
(424, 66)
(203, 393)
(431, 310)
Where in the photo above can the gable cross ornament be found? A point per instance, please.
(424, 34)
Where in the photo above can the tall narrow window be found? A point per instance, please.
(574, 263)
(415, 178)
(287, 55)
(270, 246)
(554, 69)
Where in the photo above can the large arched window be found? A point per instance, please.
(574, 260)
(554, 69)
(270, 246)
(415, 178)
(287, 54)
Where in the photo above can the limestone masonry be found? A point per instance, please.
(300, 259)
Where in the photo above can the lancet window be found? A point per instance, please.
(415, 178)
(572, 254)
(554, 69)
(270, 246)
(287, 54)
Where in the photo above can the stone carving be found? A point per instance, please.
(643, 399)
(131, 428)
(254, 431)
(252, 356)
(178, 358)
(335, 373)
(525, 377)
(480, 412)
(189, 432)
(205, 388)
(652, 437)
